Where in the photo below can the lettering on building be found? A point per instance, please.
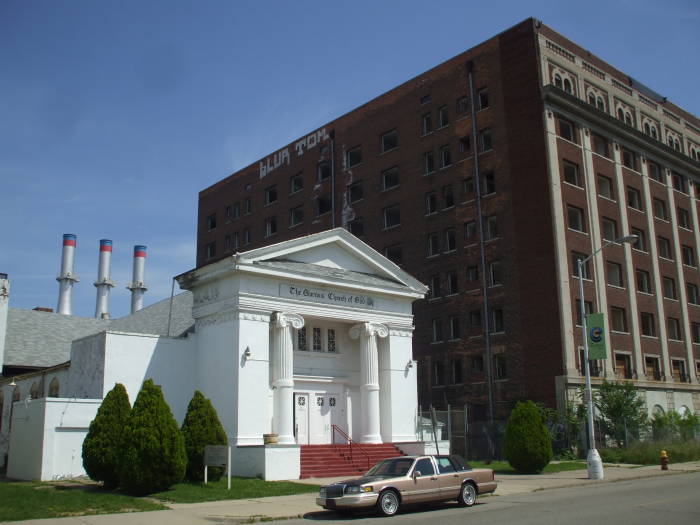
(282, 157)
(305, 293)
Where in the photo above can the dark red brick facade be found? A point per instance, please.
(526, 347)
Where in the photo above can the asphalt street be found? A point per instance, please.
(665, 500)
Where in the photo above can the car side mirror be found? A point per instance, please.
(416, 474)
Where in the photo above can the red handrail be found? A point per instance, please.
(340, 431)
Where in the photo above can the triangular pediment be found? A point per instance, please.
(336, 251)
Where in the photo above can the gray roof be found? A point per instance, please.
(338, 274)
(43, 339)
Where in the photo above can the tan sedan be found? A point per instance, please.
(394, 482)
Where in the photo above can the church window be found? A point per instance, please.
(317, 341)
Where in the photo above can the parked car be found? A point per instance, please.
(404, 480)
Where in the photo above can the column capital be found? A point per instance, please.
(284, 319)
(369, 330)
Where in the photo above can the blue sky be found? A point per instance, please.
(115, 114)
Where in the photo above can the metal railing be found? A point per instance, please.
(353, 445)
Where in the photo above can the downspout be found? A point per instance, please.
(332, 135)
(482, 250)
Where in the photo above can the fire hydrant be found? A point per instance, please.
(664, 460)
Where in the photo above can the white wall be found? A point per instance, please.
(87, 367)
(130, 359)
(397, 388)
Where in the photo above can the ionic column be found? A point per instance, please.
(283, 374)
(369, 378)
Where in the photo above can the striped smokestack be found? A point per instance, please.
(103, 283)
(137, 286)
(67, 276)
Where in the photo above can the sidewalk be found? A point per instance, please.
(249, 510)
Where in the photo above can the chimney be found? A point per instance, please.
(66, 277)
(137, 285)
(103, 283)
(4, 307)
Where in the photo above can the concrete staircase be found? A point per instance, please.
(325, 461)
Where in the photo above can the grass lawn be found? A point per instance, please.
(503, 467)
(241, 488)
(34, 500)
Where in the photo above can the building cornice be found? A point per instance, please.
(627, 135)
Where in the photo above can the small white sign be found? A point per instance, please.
(320, 295)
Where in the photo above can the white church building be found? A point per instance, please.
(308, 340)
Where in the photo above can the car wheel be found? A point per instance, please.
(388, 503)
(467, 496)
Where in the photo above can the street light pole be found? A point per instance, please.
(595, 465)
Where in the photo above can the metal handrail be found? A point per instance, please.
(343, 434)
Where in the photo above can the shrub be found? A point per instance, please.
(648, 452)
(528, 444)
(201, 427)
(102, 445)
(153, 456)
(622, 410)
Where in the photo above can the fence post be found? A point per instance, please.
(466, 433)
(449, 426)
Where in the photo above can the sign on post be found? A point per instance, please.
(595, 328)
(217, 456)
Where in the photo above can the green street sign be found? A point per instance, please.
(595, 327)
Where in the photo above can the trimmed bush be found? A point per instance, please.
(102, 445)
(201, 427)
(528, 444)
(153, 457)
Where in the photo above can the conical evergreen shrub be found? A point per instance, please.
(201, 427)
(528, 443)
(153, 457)
(102, 445)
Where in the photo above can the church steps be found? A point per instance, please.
(339, 460)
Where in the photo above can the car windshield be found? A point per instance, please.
(391, 468)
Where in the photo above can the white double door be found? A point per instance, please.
(314, 415)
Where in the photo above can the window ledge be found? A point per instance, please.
(430, 256)
(388, 189)
(609, 199)
(450, 251)
(387, 151)
(573, 185)
(650, 294)
(650, 336)
(427, 134)
(618, 332)
(392, 227)
(577, 231)
(617, 286)
(426, 174)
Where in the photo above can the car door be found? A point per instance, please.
(450, 481)
(423, 487)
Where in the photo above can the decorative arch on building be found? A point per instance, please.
(657, 410)
(54, 387)
(650, 127)
(34, 390)
(683, 410)
(563, 79)
(596, 98)
(624, 113)
(694, 151)
(674, 140)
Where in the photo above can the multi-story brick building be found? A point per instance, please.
(487, 177)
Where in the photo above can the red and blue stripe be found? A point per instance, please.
(69, 239)
(105, 245)
(139, 251)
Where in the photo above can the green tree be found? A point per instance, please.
(102, 445)
(621, 409)
(528, 443)
(201, 427)
(153, 457)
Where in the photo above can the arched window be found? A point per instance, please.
(567, 86)
(557, 81)
(677, 145)
(16, 394)
(684, 410)
(628, 118)
(621, 114)
(600, 103)
(54, 387)
(657, 410)
(653, 132)
(34, 390)
(591, 98)
(647, 128)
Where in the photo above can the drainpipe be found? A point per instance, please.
(332, 135)
(482, 247)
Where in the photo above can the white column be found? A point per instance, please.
(283, 374)
(369, 378)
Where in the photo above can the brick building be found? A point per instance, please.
(487, 177)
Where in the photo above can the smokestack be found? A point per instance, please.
(4, 306)
(66, 277)
(137, 285)
(103, 283)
